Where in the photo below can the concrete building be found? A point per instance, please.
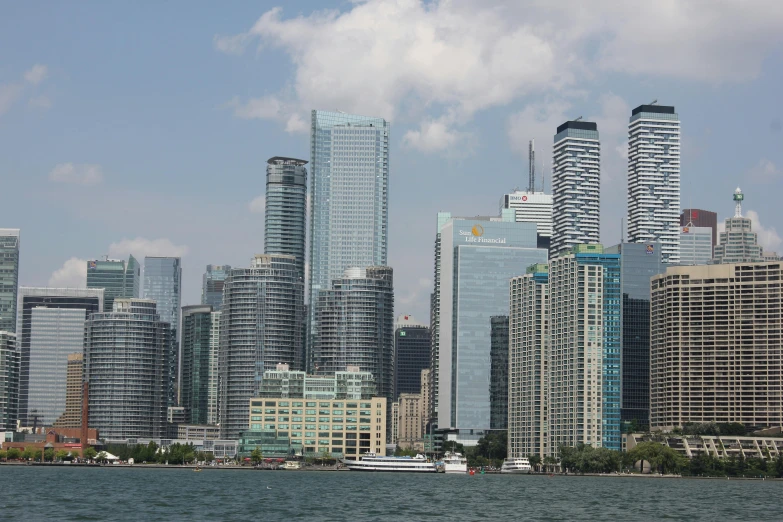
(9, 381)
(126, 364)
(411, 355)
(336, 427)
(701, 218)
(285, 212)
(532, 207)
(695, 245)
(51, 327)
(585, 350)
(654, 178)
(214, 370)
(349, 384)
(576, 186)
(410, 434)
(197, 361)
(117, 278)
(738, 243)
(260, 326)
(529, 338)
(715, 345)
(212, 285)
(72, 416)
(498, 372)
(9, 277)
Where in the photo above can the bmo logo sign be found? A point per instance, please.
(517, 198)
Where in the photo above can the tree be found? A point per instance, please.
(28, 454)
(535, 461)
(62, 455)
(453, 446)
(89, 453)
(14, 454)
(3, 455)
(493, 446)
(407, 452)
(49, 454)
(256, 456)
(662, 458)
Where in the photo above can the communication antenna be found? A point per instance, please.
(654, 102)
(579, 118)
(531, 159)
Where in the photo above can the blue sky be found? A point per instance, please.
(145, 128)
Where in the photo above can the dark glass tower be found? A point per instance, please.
(498, 380)
(286, 209)
(412, 355)
(212, 285)
(9, 277)
(196, 356)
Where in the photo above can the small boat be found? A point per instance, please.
(372, 462)
(454, 463)
(196, 469)
(516, 465)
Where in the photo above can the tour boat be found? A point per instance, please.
(517, 465)
(372, 462)
(454, 463)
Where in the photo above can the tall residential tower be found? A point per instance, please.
(9, 277)
(285, 211)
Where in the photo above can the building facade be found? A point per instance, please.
(532, 207)
(410, 434)
(213, 413)
(738, 242)
(576, 186)
(260, 326)
(695, 245)
(411, 355)
(9, 277)
(498, 372)
(349, 384)
(72, 416)
(528, 394)
(197, 357)
(51, 327)
(349, 191)
(585, 350)
(701, 218)
(126, 364)
(285, 212)
(715, 345)
(9, 381)
(212, 285)
(117, 278)
(654, 179)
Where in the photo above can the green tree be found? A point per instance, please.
(256, 456)
(3, 454)
(407, 452)
(493, 446)
(453, 446)
(49, 454)
(14, 454)
(28, 454)
(89, 453)
(662, 458)
(61, 455)
(535, 461)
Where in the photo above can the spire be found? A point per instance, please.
(738, 197)
(531, 154)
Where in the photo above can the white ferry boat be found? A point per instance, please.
(518, 465)
(454, 463)
(372, 462)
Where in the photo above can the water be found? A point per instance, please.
(38, 493)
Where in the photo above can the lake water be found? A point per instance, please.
(62, 493)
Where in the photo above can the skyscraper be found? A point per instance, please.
(700, 218)
(260, 326)
(214, 370)
(196, 359)
(285, 212)
(126, 363)
(498, 373)
(212, 285)
(349, 194)
(738, 243)
(51, 327)
(412, 355)
(9, 381)
(695, 245)
(9, 277)
(116, 277)
(654, 178)
(74, 378)
(576, 186)
(532, 207)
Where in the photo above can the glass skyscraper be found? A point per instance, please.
(349, 194)
(196, 362)
(212, 285)
(286, 209)
(9, 381)
(412, 355)
(498, 373)
(9, 277)
(116, 277)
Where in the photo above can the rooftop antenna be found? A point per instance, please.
(654, 102)
(622, 230)
(543, 177)
(531, 159)
(579, 118)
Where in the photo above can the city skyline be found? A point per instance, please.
(215, 128)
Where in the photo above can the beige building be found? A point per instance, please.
(724, 446)
(716, 352)
(409, 424)
(337, 427)
(72, 416)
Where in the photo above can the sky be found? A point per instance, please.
(144, 128)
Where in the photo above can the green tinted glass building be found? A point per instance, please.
(116, 277)
(9, 277)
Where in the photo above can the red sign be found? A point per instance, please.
(524, 198)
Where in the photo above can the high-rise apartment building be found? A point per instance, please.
(474, 260)
(654, 178)
(213, 413)
(212, 285)
(197, 343)
(411, 356)
(528, 364)
(9, 277)
(532, 207)
(585, 348)
(349, 193)
(116, 277)
(716, 345)
(285, 212)
(738, 243)
(498, 373)
(9, 381)
(355, 320)
(72, 416)
(576, 186)
(700, 218)
(51, 327)
(126, 364)
(260, 326)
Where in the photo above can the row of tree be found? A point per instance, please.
(152, 453)
(49, 455)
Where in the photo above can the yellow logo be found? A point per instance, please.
(477, 230)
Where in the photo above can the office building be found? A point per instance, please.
(296, 384)
(126, 364)
(576, 186)
(700, 218)
(412, 355)
(355, 320)
(410, 434)
(9, 381)
(117, 278)
(738, 243)
(695, 245)
(344, 427)
(260, 326)
(285, 212)
(197, 361)
(716, 334)
(51, 327)
(9, 277)
(654, 179)
(72, 416)
(474, 260)
(585, 348)
(212, 285)
(349, 193)
(498, 373)
(528, 364)
(532, 207)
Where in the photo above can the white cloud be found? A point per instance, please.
(78, 174)
(258, 204)
(40, 102)
(10, 92)
(73, 274)
(765, 172)
(768, 236)
(432, 136)
(141, 247)
(36, 74)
